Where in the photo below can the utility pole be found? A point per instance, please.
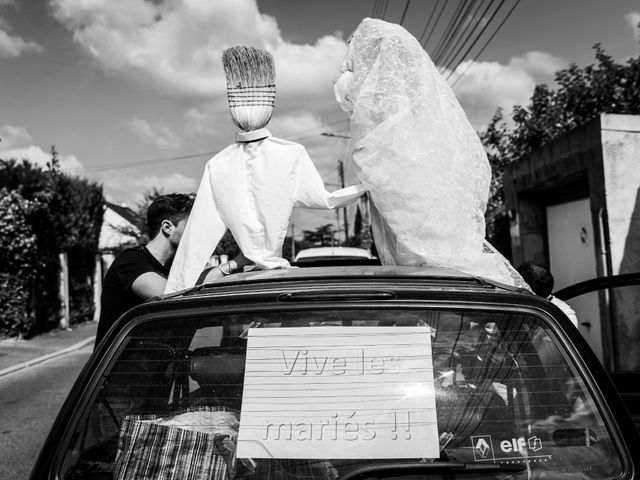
(344, 210)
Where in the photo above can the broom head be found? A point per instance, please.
(251, 88)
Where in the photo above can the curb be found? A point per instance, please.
(49, 356)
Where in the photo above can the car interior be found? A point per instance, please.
(506, 391)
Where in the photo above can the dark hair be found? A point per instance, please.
(173, 207)
(538, 277)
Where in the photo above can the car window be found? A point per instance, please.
(506, 391)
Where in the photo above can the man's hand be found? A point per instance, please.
(236, 265)
(241, 262)
(148, 285)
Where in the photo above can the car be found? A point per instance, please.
(620, 290)
(344, 372)
(331, 256)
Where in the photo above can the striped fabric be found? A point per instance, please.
(293, 469)
(147, 450)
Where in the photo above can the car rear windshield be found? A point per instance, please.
(319, 394)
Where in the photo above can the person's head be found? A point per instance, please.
(167, 216)
(538, 277)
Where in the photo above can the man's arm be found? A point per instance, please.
(233, 266)
(149, 284)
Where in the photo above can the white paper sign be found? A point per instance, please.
(338, 392)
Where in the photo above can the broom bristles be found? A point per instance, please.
(251, 86)
(248, 67)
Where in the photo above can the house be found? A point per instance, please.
(118, 231)
(574, 204)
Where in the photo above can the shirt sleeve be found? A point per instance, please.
(131, 264)
(202, 233)
(310, 191)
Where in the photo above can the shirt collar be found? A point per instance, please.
(252, 136)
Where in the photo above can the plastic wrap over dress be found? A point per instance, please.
(251, 188)
(415, 151)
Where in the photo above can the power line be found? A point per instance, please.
(384, 12)
(489, 22)
(469, 27)
(429, 18)
(158, 161)
(375, 8)
(447, 30)
(404, 14)
(485, 45)
(424, 45)
(154, 161)
(470, 37)
(460, 21)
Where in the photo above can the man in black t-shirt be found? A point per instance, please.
(141, 273)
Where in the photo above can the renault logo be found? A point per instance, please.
(482, 447)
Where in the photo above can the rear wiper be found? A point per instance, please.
(387, 469)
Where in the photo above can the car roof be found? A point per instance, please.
(427, 275)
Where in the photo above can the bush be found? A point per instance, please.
(65, 215)
(18, 264)
(16, 316)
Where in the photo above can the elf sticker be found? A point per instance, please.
(519, 445)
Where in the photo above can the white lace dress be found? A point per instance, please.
(413, 148)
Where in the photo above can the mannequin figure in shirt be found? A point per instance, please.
(251, 186)
(414, 150)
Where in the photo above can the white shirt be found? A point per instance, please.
(566, 309)
(251, 188)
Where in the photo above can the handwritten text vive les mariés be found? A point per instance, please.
(355, 362)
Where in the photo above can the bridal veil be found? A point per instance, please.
(414, 149)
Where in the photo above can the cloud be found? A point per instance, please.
(176, 46)
(18, 144)
(14, 137)
(488, 85)
(132, 188)
(296, 124)
(38, 156)
(156, 134)
(210, 122)
(174, 182)
(12, 46)
(633, 22)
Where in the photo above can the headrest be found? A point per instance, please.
(211, 366)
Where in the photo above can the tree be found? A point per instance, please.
(580, 95)
(65, 214)
(323, 236)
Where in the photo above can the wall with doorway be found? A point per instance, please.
(579, 195)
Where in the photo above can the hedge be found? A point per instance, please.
(64, 214)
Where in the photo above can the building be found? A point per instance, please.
(574, 204)
(117, 232)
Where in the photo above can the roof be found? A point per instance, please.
(435, 275)
(333, 251)
(125, 212)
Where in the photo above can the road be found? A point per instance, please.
(29, 402)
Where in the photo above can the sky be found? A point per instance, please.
(133, 96)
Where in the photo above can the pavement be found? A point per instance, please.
(17, 354)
